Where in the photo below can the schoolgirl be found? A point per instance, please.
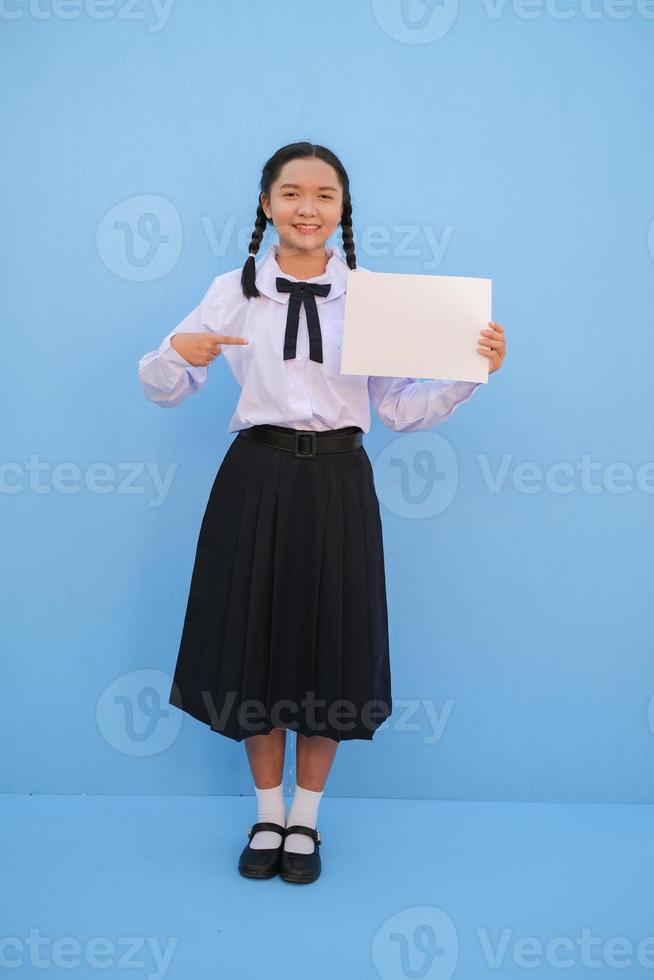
(286, 621)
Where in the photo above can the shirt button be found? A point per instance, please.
(299, 357)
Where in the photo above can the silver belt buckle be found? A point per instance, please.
(311, 436)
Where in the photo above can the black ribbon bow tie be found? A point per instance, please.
(302, 292)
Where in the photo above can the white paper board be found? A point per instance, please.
(419, 326)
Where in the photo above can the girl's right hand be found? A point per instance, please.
(200, 349)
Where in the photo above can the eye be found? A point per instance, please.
(330, 197)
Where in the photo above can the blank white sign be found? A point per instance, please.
(417, 326)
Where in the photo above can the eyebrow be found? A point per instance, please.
(327, 187)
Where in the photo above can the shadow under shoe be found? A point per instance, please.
(300, 868)
(261, 862)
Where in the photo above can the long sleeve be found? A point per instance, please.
(407, 404)
(165, 376)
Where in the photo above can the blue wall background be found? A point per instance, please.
(502, 140)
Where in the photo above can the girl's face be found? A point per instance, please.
(305, 204)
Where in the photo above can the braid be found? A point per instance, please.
(249, 273)
(271, 171)
(346, 227)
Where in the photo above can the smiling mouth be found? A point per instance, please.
(307, 227)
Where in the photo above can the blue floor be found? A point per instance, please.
(147, 887)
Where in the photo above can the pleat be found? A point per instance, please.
(287, 599)
(256, 629)
(322, 584)
(227, 618)
(298, 562)
(357, 599)
(244, 636)
(200, 657)
(328, 650)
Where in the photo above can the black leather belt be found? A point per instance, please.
(305, 442)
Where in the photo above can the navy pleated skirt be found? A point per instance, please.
(286, 623)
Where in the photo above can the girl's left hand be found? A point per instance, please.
(493, 346)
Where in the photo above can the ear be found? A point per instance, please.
(265, 204)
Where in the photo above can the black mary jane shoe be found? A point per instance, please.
(300, 868)
(261, 862)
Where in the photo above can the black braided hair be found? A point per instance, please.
(269, 175)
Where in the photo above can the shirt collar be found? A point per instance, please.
(335, 273)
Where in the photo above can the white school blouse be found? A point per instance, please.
(296, 392)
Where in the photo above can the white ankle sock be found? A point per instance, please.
(270, 806)
(304, 811)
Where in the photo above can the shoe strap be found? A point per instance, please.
(299, 829)
(265, 825)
